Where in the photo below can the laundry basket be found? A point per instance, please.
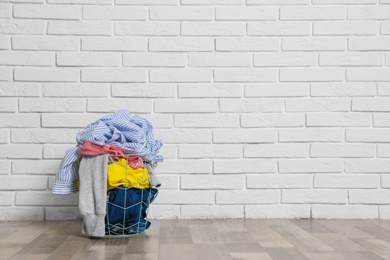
(129, 196)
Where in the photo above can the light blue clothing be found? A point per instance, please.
(131, 134)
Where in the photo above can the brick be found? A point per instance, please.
(282, 59)
(369, 74)
(247, 44)
(251, 105)
(180, 75)
(338, 119)
(11, 89)
(342, 2)
(164, 211)
(210, 90)
(88, 2)
(113, 105)
(215, 182)
(27, 167)
(143, 90)
(5, 74)
(311, 74)
(181, 44)
(21, 214)
(55, 151)
(169, 182)
(212, 2)
(79, 28)
(381, 120)
(51, 105)
(345, 212)
(27, 58)
(219, 59)
(4, 138)
(369, 44)
(310, 166)
(147, 2)
(276, 150)
(160, 121)
(350, 59)
(245, 197)
(169, 151)
(312, 13)
(369, 196)
(147, 28)
(5, 42)
(8, 105)
(113, 75)
(44, 198)
(385, 28)
(226, 166)
(5, 167)
(207, 120)
(270, 120)
(345, 28)
(113, 44)
(68, 120)
(279, 181)
(6, 198)
(186, 105)
(47, 74)
(210, 151)
(277, 211)
(20, 120)
(342, 89)
(189, 166)
(184, 136)
(43, 43)
(22, 27)
(23, 182)
(367, 166)
(43, 135)
(180, 13)
(185, 197)
(114, 13)
(383, 150)
(245, 13)
(61, 12)
(380, 104)
(212, 212)
(5, 10)
(346, 181)
(154, 59)
(385, 181)
(17, 151)
(245, 136)
(384, 88)
(311, 135)
(368, 135)
(342, 150)
(75, 90)
(322, 196)
(314, 44)
(277, 2)
(245, 75)
(317, 104)
(384, 212)
(62, 213)
(212, 29)
(91, 59)
(276, 90)
(279, 28)
(368, 12)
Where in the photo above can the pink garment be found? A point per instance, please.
(89, 148)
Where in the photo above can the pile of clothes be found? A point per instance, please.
(113, 168)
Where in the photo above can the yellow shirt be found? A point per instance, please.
(120, 173)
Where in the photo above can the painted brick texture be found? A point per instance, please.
(267, 108)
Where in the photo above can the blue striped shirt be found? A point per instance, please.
(131, 134)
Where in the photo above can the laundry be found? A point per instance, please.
(127, 210)
(121, 174)
(131, 134)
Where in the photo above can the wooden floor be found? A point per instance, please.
(203, 239)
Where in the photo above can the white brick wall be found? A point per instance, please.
(267, 108)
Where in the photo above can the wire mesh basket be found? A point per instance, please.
(129, 196)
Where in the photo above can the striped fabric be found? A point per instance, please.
(131, 134)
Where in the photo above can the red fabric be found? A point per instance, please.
(92, 149)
